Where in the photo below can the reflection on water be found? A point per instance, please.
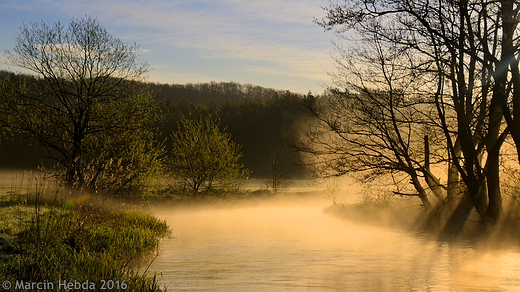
(295, 248)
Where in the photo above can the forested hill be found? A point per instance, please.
(212, 92)
(263, 120)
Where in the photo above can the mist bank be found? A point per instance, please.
(441, 224)
(291, 245)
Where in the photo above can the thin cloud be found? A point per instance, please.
(274, 32)
(223, 29)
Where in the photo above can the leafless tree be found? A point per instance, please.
(279, 178)
(464, 57)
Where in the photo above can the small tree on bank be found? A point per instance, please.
(279, 178)
(204, 158)
(86, 106)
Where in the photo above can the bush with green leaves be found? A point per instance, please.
(86, 106)
(204, 158)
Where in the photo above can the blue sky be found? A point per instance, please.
(272, 43)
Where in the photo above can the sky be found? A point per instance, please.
(271, 43)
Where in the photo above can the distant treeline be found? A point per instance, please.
(211, 93)
(263, 120)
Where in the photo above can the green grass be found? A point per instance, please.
(52, 243)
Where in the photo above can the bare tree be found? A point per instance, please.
(279, 178)
(466, 55)
(332, 190)
(378, 126)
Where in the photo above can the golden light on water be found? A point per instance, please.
(287, 243)
(296, 246)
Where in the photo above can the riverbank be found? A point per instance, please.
(445, 223)
(75, 242)
(395, 214)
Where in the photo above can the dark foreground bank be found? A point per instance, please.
(75, 246)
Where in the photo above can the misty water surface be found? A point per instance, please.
(296, 247)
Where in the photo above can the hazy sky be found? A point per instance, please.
(272, 43)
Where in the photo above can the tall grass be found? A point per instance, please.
(45, 236)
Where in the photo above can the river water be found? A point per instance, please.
(297, 247)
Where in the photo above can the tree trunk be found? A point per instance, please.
(509, 60)
(432, 181)
(453, 174)
(493, 151)
(421, 192)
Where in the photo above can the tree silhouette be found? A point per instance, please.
(279, 178)
(87, 107)
(463, 58)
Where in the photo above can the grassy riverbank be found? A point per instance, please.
(75, 242)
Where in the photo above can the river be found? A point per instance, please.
(297, 247)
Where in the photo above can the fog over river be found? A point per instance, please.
(294, 246)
